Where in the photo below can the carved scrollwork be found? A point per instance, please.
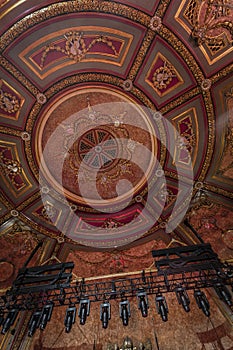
(212, 23)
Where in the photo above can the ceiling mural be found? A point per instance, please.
(116, 128)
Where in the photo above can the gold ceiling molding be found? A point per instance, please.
(18, 75)
(226, 71)
(183, 52)
(4, 13)
(28, 201)
(41, 229)
(211, 134)
(64, 8)
(11, 101)
(163, 76)
(218, 190)
(180, 100)
(76, 48)
(64, 85)
(10, 131)
(162, 8)
(149, 37)
(13, 175)
(209, 24)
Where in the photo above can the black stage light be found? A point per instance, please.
(70, 318)
(46, 315)
(124, 309)
(105, 313)
(143, 304)
(202, 301)
(34, 322)
(223, 293)
(1, 318)
(9, 320)
(84, 310)
(161, 306)
(183, 298)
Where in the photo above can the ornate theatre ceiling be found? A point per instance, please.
(116, 125)
(116, 134)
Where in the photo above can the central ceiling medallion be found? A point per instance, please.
(88, 145)
(98, 149)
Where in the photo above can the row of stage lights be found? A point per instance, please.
(40, 318)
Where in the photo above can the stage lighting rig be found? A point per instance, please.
(84, 310)
(143, 303)
(124, 309)
(178, 270)
(105, 313)
(70, 318)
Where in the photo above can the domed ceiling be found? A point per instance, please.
(116, 119)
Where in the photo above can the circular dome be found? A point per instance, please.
(96, 144)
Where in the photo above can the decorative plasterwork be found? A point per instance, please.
(12, 173)
(210, 25)
(10, 101)
(162, 76)
(70, 46)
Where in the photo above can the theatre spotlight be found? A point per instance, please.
(143, 304)
(124, 309)
(84, 310)
(9, 320)
(34, 322)
(223, 293)
(161, 306)
(202, 301)
(105, 313)
(183, 298)
(70, 318)
(46, 315)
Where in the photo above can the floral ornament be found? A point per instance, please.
(25, 136)
(45, 189)
(162, 77)
(41, 98)
(60, 240)
(199, 185)
(138, 198)
(127, 85)
(159, 173)
(206, 84)
(8, 102)
(73, 207)
(157, 115)
(155, 23)
(14, 213)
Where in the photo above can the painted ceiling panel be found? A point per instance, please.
(53, 50)
(164, 75)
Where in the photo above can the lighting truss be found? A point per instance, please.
(179, 270)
